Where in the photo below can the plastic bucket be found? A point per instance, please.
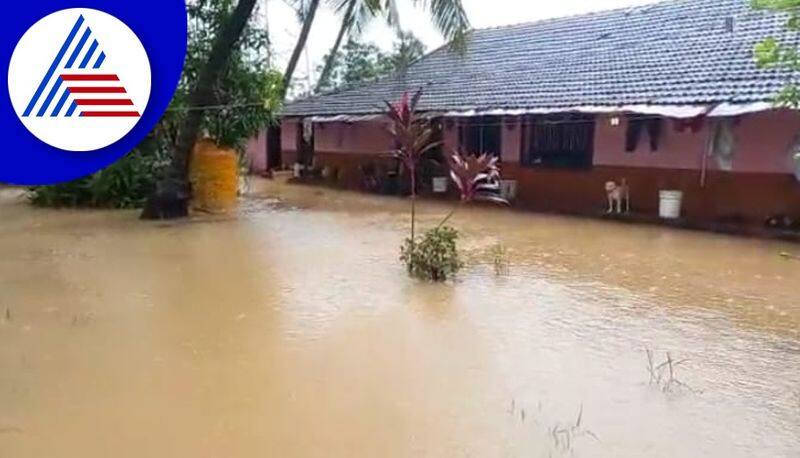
(440, 185)
(670, 204)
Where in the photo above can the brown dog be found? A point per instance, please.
(617, 193)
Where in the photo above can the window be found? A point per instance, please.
(481, 134)
(558, 141)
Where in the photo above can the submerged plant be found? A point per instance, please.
(564, 437)
(664, 374)
(500, 262)
(434, 256)
(477, 179)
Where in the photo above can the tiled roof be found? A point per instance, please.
(676, 52)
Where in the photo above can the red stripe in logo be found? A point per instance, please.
(110, 114)
(90, 77)
(97, 90)
(104, 102)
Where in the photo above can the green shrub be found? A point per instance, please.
(124, 184)
(433, 256)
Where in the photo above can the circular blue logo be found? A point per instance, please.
(86, 83)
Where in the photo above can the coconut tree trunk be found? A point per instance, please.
(171, 198)
(347, 23)
(300, 45)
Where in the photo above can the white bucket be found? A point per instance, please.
(440, 185)
(670, 204)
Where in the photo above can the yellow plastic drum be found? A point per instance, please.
(214, 173)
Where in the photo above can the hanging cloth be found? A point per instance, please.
(654, 132)
(308, 129)
(692, 124)
(796, 160)
(637, 125)
(723, 143)
(794, 156)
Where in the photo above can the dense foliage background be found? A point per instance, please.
(360, 62)
(773, 53)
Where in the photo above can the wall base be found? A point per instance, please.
(726, 198)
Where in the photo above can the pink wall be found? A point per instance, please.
(352, 138)
(289, 131)
(676, 150)
(762, 143)
(257, 152)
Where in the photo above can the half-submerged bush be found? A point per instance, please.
(433, 256)
(124, 184)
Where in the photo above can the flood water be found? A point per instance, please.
(293, 331)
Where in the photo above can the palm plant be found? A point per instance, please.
(477, 179)
(448, 15)
(435, 257)
(414, 137)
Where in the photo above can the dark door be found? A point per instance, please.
(274, 156)
(305, 142)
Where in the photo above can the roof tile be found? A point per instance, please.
(674, 52)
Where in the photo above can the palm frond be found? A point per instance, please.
(450, 18)
(392, 15)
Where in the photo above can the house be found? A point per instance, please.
(665, 97)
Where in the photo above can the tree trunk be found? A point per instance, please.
(171, 198)
(299, 46)
(347, 22)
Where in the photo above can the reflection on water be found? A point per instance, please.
(293, 331)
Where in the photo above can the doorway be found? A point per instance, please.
(274, 153)
(305, 142)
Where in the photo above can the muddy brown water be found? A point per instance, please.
(292, 331)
